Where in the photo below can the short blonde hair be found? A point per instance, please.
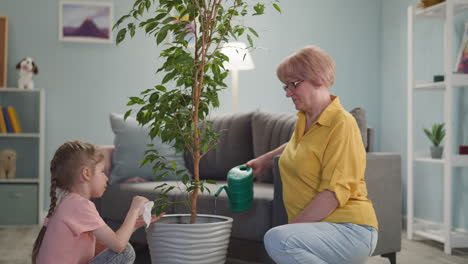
(310, 63)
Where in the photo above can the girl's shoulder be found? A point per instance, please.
(73, 200)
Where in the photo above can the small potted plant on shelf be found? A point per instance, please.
(436, 135)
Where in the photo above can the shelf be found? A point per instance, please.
(429, 160)
(438, 11)
(435, 232)
(457, 160)
(16, 90)
(20, 135)
(458, 80)
(19, 180)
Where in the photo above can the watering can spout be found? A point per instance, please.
(224, 187)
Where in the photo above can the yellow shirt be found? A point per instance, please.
(330, 156)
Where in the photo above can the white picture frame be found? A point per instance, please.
(85, 21)
(462, 58)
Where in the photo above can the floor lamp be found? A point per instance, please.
(239, 60)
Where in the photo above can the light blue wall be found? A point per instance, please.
(85, 82)
(428, 107)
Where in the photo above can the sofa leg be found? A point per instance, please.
(391, 257)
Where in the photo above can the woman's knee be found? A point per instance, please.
(273, 239)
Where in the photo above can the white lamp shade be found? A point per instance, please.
(236, 52)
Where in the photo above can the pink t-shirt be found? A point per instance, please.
(69, 238)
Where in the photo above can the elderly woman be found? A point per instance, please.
(322, 170)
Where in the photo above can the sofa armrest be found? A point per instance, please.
(383, 179)
(279, 215)
(370, 139)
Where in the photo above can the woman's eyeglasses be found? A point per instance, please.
(291, 85)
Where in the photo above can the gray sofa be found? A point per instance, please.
(243, 137)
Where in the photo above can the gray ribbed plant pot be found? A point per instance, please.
(172, 240)
(436, 152)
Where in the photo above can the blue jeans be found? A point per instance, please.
(320, 243)
(108, 256)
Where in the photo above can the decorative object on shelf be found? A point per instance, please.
(7, 164)
(463, 149)
(436, 136)
(439, 78)
(428, 3)
(239, 60)
(85, 21)
(27, 67)
(3, 50)
(462, 61)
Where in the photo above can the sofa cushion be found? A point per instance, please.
(130, 143)
(269, 131)
(234, 147)
(360, 116)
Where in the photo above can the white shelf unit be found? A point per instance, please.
(33, 140)
(444, 232)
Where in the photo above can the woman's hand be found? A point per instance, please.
(140, 222)
(265, 161)
(260, 164)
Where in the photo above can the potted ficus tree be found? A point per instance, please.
(191, 34)
(436, 135)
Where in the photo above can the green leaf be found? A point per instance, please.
(160, 88)
(185, 179)
(127, 114)
(161, 36)
(148, 4)
(131, 27)
(253, 31)
(250, 40)
(168, 77)
(150, 26)
(160, 16)
(277, 8)
(121, 35)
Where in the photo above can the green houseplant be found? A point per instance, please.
(191, 34)
(436, 135)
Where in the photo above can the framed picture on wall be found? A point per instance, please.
(85, 21)
(462, 61)
(3, 50)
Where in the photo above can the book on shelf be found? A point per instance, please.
(7, 120)
(14, 119)
(3, 128)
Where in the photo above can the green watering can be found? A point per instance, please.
(239, 188)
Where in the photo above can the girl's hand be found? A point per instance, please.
(137, 205)
(140, 222)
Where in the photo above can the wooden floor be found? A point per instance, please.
(16, 244)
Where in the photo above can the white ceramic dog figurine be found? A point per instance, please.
(26, 68)
(7, 164)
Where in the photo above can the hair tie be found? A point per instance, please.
(46, 221)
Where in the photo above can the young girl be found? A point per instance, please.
(73, 224)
